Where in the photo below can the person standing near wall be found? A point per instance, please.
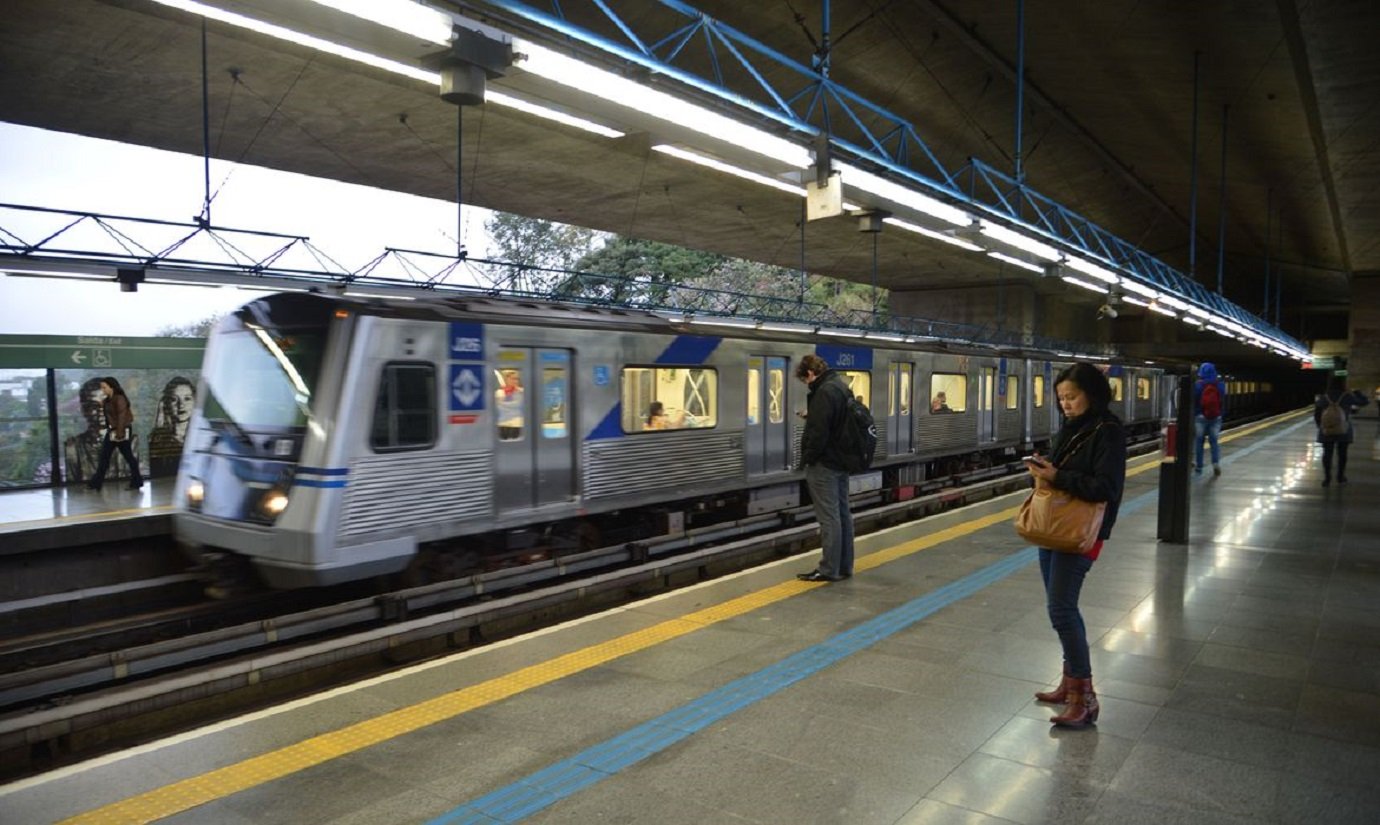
(825, 475)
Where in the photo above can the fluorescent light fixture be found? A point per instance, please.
(1016, 240)
(1139, 288)
(1131, 299)
(1171, 301)
(389, 296)
(281, 33)
(1155, 307)
(718, 165)
(738, 323)
(400, 15)
(896, 193)
(1001, 256)
(583, 77)
(843, 333)
(930, 233)
(1088, 285)
(501, 99)
(886, 336)
(796, 328)
(1088, 268)
(1200, 313)
(1193, 322)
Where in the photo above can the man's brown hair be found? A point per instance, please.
(810, 363)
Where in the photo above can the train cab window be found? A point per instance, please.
(669, 398)
(510, 405)
(1118, 391)
(1013, 393)
(1142, 389)
(405, 412)
(948, 393)
(1037, 391)
(860, 383)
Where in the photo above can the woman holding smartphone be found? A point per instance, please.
(1088, 459)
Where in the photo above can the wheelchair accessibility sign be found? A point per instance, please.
(466, 392)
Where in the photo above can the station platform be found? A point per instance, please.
(1239, 677)
(73, 516)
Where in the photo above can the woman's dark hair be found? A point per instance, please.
(1336, 385)
(1092, 382)
(114, 385)
(654, 410)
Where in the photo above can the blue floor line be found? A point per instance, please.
(563, 779)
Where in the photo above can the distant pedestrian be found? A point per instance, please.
(1332, 414)
(119, 420)
(825, 475)
(1088, 459)
(1209, 402)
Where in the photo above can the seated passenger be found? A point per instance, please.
(656, 417)
(940, 404)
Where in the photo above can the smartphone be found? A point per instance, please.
(1035, 459)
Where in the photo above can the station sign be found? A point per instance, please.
(97, 352)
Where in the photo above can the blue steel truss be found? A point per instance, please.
(737, 69)
(275, 260)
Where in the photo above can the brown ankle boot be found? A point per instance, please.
(1060, 694)
(1082, 708)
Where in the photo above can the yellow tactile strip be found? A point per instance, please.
(208, 787)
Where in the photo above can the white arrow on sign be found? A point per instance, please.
(467, 387)
(77, 356)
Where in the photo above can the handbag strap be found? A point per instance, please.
(1083, 439)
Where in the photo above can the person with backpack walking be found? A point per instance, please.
(826, 467)
(120, 421)
(1209, 400)
(1332, 414)
(1088, 459)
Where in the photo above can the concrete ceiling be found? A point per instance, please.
(1107, 132)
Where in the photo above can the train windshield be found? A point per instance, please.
(261, 377)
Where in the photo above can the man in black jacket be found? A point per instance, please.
(824, 473)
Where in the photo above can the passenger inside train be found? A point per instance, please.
(940, 404)
(508, 403)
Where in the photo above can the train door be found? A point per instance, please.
(900, 396)
(534, 456)
(767, 436)
(987, 404)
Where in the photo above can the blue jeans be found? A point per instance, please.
(1063, 574)
(829, 492)
(1202, 427)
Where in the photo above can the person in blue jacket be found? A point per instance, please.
(1207, 416)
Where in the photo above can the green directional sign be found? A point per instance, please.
(99, 352)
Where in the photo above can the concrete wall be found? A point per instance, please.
(1363, 364)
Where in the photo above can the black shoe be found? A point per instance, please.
(1216, 471)
(93, 487)
(1341, 479)
(816, 576)
(135, 485)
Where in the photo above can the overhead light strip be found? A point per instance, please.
(930, 233)
(501, 99)
(881, 187)
(1015, 239)
(727, 168)
(1002, 256)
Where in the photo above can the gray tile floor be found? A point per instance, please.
(1239, 677)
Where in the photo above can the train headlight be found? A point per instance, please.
(196, 493)
(273, 503)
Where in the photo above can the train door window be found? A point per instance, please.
(948, 393)
(1142, 389)
(509, 403)
(669, 398)
(1013, 392)
(776, 391)
(904, 397)
(754, 395)
(899, 426)
(555, 401)
(405, 410)
(1037, 391)
(987, 413)
(860, 384)
(1118, 391)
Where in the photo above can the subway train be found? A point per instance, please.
(338, 438)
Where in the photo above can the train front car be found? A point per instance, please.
(243, 490)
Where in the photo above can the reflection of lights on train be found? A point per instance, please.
(1234, 532)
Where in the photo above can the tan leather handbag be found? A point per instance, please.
(1057, 519)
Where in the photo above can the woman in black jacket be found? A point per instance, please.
(1337, 433)
(1088, 459)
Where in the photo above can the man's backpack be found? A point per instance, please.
(857, 437)
(1333, 419)
(1211, 401)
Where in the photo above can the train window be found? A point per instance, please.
(754, 396)
(1013, 392)
(776, 395)
(1037, 391)
(904, 391)
(553, 402)
(510, 405)
(948, 393)
(1142, 389)
(860, 383)
(669, 398)
(1118, 391)
(405, 411)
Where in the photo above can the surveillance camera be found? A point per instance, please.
(1106, 311)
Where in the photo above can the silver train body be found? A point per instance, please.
(334, 437)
